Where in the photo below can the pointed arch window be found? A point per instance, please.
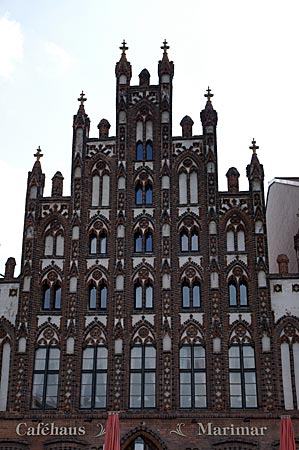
(148, 194)
(193, 380)
(54, 242)
(94, 377)
(143, 242)
(138, 194)
(45, 378)
(289, 352)
(100, 195)
(191, 294)
(93, 244)
(98, 297)
(97, 243)
(189, 240)
(144, 296)
(235, 239)
(143, 193)
(238, 292)
(143, 376)
(188, 186)
(242, 376)
(51, 296)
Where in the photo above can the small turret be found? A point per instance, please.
(208, 115)
(10, 269)
(254, 170)
(123, 70)
(57, 185)
(144, 78)
(81, 119)
(36, 178)
(283, 264)
(103, 128)
(233, 180)
(165, 67)
(186, 124)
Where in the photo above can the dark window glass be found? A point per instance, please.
(92, 297)
(149, 296)
(186, 296)
(138, 193)
(94, 377)
(148, 243)
(103, 244)
(103, 297)
(232, 294)
(149, 151)
(45, 378)
(143, 377)
(138, 296)
(138, 242)
(148, 195)
(57, 297)
(243, 294)
(196, 295)
(184, 242)
(193, 386)
(139, 151)
(194, 241)
(93, 244)
(46, 297)
(242, 376)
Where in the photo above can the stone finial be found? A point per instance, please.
(283, 264)
(57, 185)
(103, 128)
(209, 94)
(232, 180)
(254, 147)
(38, 155)
(10, 268)
(186, 124)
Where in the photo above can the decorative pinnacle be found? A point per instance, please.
(209, 94)
(254, 147)
(82, 99)
(38, 155)
(165, 47)
(124, 47)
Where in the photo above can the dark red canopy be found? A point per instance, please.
(112, 439)
(287, 441)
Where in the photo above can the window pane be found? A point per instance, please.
(149, 297)
(186, 296)
(139, 151)
(93, 245)
(149, 243)
(54, 358)
(236, 402)
(199, 357)
(149, 151)
(138, 195)
(243, 294)
(103, 244)
(150, 357)
(196, 295)
(46, 298)
(138, 296)
(185, 357)
(57, 302)
(102, 354)
(148, 195)
(92, 297)
(88, 355)
(232, 295)
(138, 242)
(251, 401)
(103, 297)
(40, 359)
(194, 242)
(136, 358)
(184, 242)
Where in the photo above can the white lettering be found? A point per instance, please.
(18, 429)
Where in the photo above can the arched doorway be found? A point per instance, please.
(142, 440)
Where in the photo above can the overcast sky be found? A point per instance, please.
(246, 51)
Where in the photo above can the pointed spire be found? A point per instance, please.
(123, 67)
(81, 118)
(165, 66)
(36, 178)
(255, 169)
(208, 115)
(82, 99)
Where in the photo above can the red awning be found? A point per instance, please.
(112, 439)
(287, 441)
